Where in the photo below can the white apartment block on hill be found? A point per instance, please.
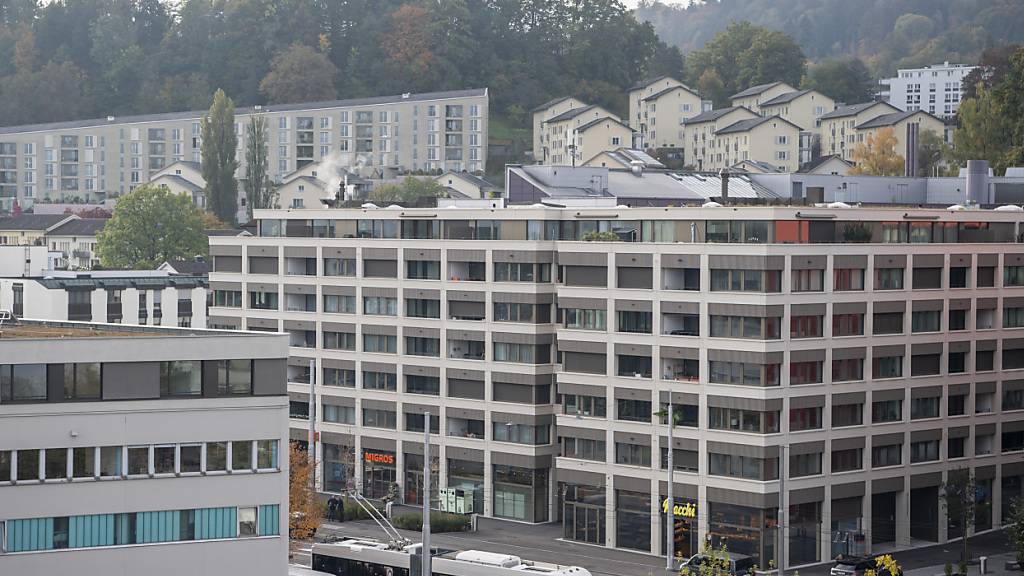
(934, 89)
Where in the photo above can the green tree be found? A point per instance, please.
(410, 191)
(218, 154)
(259, 187)
(959, 495)
(932, 154)
(982, 131)
(300, 74)
(991, 69)
(149, 225)
(1010, 94)
(847, 80)
(745, 55)
(714, 561)
(1015, 528)
(712, 88)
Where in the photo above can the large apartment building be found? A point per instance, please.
(934, 89)
(91, 160)
(657, 108)
(138, 448)
(847, 127)
(877, 352)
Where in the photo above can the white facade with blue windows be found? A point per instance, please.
(127, 448)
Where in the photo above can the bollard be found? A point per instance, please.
(983, 564)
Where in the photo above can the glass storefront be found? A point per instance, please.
(744, 530)
(583, 513)
(684, 532)
(520, 493)
(804, 532)
(339, 467)
(468, 475)
(414, 478)
(633, 520)
(847, 527)
(379, 473)
(924, 513)
(1013, 488)
(983, 506)
(883, 517)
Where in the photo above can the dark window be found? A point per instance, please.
(633, 410)
(82, 381)
(234, 377)
(22, 382)
(181, 378)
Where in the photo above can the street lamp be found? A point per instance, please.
(670, 515)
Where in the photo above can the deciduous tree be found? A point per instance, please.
(983, 130)
(149, 225)
(300, 74)
(960, 499)
(218, 154)
(877, 156)
(259, 187)
(932, 154)
(847, 80)
(305, 514)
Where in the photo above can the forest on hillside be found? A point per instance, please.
(886, 34)
(67, 59)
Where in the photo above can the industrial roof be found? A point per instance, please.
(85, 282)
(197, 114)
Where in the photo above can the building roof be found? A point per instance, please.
(890, 119)
(89, 282)
(751, 123)
(40, 222)
(851, 110)
(784, 98)
(712, 115)
(32, 329)
(570, 114)
(187, 267)
(760, 165)
(232, 232)
(550, 103)
(647, 82)
(597, 121)
(181, 181)
(197, 114)
(754, 90)
(661, 93)
(626, 156)
(469, 177)
(80, 227)
(821, 161)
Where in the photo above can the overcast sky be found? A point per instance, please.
(633, 3)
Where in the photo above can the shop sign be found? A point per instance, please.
(685, 510)
(379, 458)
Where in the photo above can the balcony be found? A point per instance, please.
(681, 370)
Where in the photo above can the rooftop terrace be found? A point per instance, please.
(29, 329)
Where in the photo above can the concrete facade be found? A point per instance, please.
(657, 109)
(933, 89)
(877, 351)
(91, 160)
(752, 97)
(107, 470)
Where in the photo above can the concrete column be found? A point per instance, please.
(997, 499)
(488, 482)
(903, 516)
(943, 515)
(866, 514)
(359, 455)
(400, 463)
(656, 513)
(825, 546)
(611, 513)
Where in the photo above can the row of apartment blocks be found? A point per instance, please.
(768, 128)
(94, 159)
(127, 446)
(878, 352)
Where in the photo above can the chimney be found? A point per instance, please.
(724, 175)
(977, 182)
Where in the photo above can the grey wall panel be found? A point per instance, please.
(131, 380)
(269, 377)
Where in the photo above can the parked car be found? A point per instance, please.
(857, 565)
(738, 563)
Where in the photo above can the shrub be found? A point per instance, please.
(857, 233)
(607, 236)
(439, 522)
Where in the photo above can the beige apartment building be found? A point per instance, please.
(838, 128)
(560, 144)
(907, 127)
(545, 112)
(752, 97)
(599, 136)
(699, 132)
(657, 109)
(90, 160)
(865, 354)
(773, 140)
(801, 107)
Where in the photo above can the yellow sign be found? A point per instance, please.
(687, 510)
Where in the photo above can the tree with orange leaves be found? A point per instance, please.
(304, 510)
(877, 156)
(408, 41)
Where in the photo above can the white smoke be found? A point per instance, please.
(334, 170)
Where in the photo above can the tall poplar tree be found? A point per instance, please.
(218, 153)
(259, 188)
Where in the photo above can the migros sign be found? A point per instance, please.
(379, 458)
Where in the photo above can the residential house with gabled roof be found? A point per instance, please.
(75, 240)
(559, 134)
(907, 127)
(657, 108)
(464, 184)
(838, 127)
(546, 111)
(699, 132)
(752, 97)
(801, 107)
(774, 140)
(30, 229)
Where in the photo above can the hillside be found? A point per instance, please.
(887, 34)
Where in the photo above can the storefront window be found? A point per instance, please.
(339, 467)
(520, 493)
(633, 523)
(804, 533)
(847, 532)
(583, 513)
(378, 473)
(467, 475)
(745, 530)
(684, 532)
(414, 478)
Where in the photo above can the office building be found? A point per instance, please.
(139, 448)
(90, 160)
(879, 352)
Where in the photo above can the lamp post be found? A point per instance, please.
(670, 508)
(425, 549)
(312, 421)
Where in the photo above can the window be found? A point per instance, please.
(805, 327)
(632, 454)
(882, 456)
(926, 451)
(889, 279)
(1013, 399)
(380, 381)
(746, 280)
(584, 319)
(515, 312)
(110, 461)
(216, 456)
(246, 521)
(924, 408)
(266, 454)
(634, 322)
(339, 341)
(886, 411)
(138, 460)
(422, 308)
(379, 418)
(847, 460)
(510, 352)
(956, 405)
(743, 467)
(83, 463)
(584, 449)
(190, 458)
(808, 280)
(226, 298)
(743, 420)
(163, 459)
(958, 319)
(806, 372)
(82, 381)
(418, 384)
(22, 382)
(234, 377)
(805, 418)
(584, 405)
(847, 325)
(887, 323)
(381, 306)
(241, 456)
(339, 304)
(339, 377)
(56, 464)
(181, 378)
(1013, 276)
(339, 267)
(633, 410)
(380, 343)
(422, 346)
(743, 374)
(925, 321)
(888, 367)
(805, 465)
